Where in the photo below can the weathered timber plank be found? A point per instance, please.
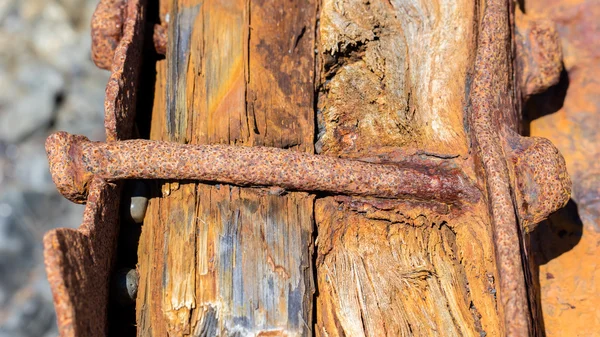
(412, 60)
(218, 259)
(396, 82)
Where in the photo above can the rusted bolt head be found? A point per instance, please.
(540, 176)
(70, 178)
(107, 30)
(539, 53)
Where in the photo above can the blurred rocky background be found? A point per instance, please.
(47, 83)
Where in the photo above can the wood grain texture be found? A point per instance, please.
(397, 80)
(409, 275)
(218, 259)
(402, 72)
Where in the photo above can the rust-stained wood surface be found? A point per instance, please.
(396, 81)
(217, 259)
(410, 82)
(384, 93)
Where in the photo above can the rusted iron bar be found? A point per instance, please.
(490, 93)
(74, 160)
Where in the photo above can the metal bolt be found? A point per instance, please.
(74, 160)
(107, 30)
(540, 179)
(539, 54)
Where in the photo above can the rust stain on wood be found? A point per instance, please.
(217, 259)
(211, 85)
(409, 268)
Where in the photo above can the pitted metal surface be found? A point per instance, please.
(74, 160)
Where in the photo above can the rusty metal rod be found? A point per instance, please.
(74, 160)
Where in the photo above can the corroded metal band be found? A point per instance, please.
(143, 159)
(490, 94)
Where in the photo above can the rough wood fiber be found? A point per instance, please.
(402, 272)
(397, 80)
(216, 259)
(401, 71)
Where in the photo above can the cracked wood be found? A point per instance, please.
(218, 259)
(397, 81)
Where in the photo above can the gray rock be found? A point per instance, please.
(82, 111)
(31, 171)
(37, 86)
(16, 252)
(47, 83)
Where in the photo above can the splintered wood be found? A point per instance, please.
(217, 259)
(400, 121)
(392, 85)
(398, 77)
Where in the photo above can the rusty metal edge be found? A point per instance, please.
(79, 261)
(107, 30)
(121, 90)
(492, 109)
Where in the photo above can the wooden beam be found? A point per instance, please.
(397, 81)
(219, 259)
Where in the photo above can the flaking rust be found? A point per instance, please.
(539, 177)
(538, 170)
(79, 261)
(539, 54)
(536, 160)
(533, 167)
(109, 26)
(107, 29)
(490, 94)
(74, 161)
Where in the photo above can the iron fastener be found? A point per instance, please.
(74, 160)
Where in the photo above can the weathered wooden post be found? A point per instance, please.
(431, 86)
